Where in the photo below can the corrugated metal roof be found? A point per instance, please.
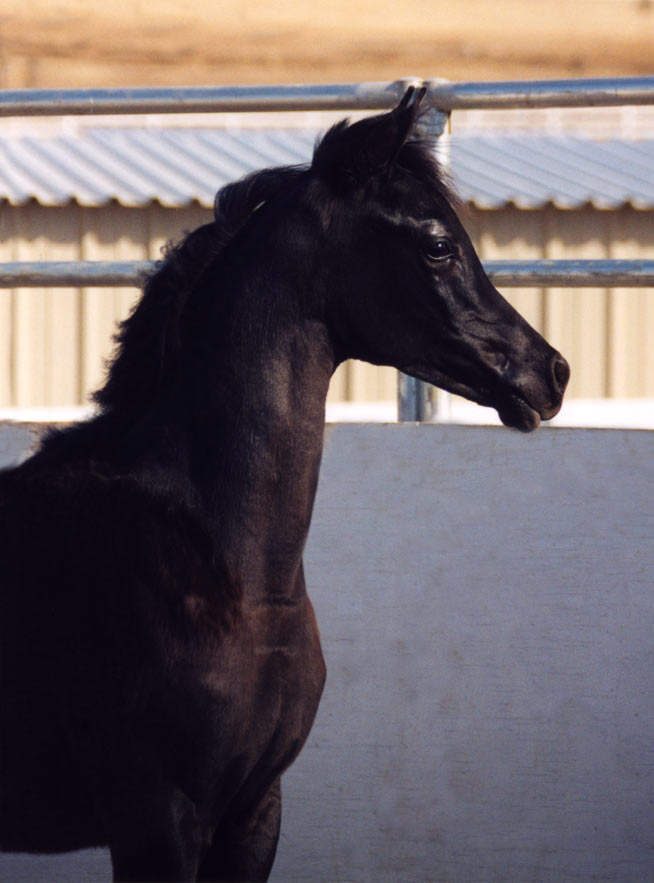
(179, 166)
(530, 171)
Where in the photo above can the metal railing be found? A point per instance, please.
(507, 274)
(442, 97)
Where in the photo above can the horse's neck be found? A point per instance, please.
(254, 450)
(235, 428)
(273, 461)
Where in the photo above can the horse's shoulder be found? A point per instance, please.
(85, 521)
(88, 507)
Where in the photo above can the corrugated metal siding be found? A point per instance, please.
(53, 343)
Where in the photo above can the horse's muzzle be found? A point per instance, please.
(538, 397)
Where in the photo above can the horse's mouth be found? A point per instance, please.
(517, 413)
(513, 409)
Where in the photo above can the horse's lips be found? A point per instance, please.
(516, 413)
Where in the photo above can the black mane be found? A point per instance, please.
(149, 342)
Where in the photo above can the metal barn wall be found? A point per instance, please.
(54, 342)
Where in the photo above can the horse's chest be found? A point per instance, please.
(288, 659)
(269, 678)
(263, 690)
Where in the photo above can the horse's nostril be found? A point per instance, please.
(560, 373)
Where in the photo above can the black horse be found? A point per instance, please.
(161, 665)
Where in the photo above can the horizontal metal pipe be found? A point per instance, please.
(74, 274)
(504, 274)
(339, 96)
(201, 99)
(542, 93)
(572, 273)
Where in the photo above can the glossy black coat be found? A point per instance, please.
(161, 665)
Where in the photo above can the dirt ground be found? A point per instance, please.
(66, 43)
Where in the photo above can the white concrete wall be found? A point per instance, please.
(486, 603)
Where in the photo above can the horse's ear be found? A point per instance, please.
(367, 149)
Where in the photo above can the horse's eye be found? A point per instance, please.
(440, 249)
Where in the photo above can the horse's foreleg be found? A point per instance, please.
(155, 838)
(244, 849)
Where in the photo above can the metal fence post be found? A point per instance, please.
(413, 399)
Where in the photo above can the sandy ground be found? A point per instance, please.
(64, 43)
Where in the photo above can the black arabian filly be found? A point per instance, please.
(161, 665)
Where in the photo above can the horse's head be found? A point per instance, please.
(410, 291)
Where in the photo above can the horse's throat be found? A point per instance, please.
(265, 476)
(271, 512)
